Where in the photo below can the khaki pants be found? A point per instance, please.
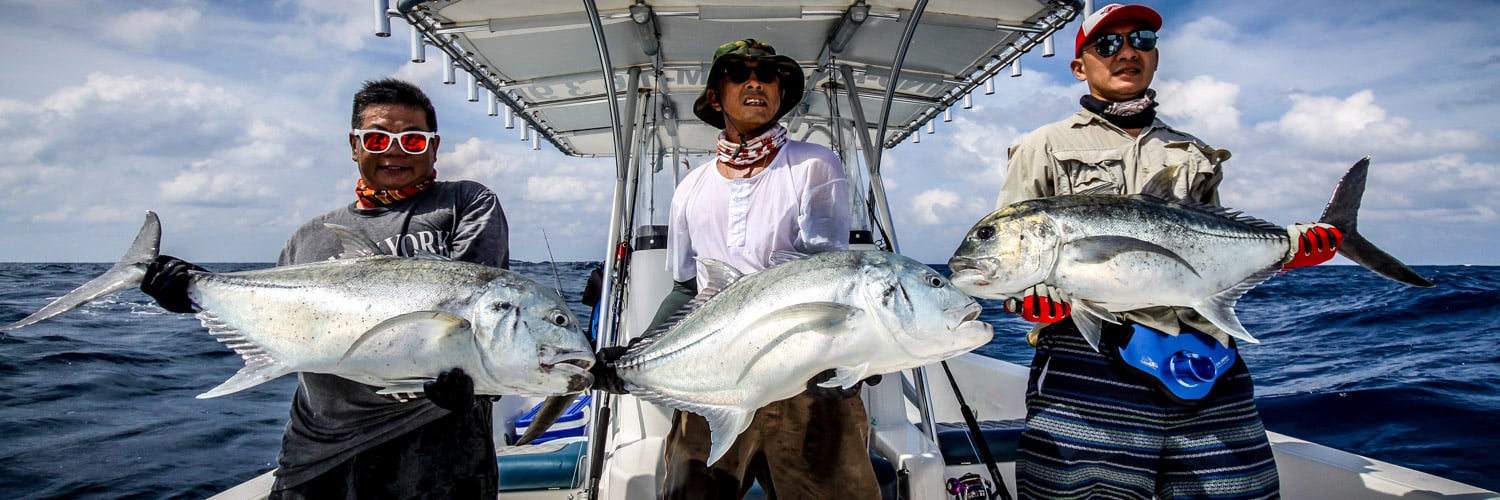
(801, 447)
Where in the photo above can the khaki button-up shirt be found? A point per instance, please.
(1084, 154)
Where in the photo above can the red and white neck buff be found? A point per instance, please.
(370, 197)
(748, 152)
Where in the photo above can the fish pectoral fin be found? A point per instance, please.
(1103, 248)
(724, 427)
(410, 330)
(827, 318)
(847, 376)
(253, 374)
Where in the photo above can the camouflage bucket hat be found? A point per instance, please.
(747, 49)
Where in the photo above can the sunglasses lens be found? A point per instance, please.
(1108, 45)
(1143, 39)
(413, 142)
(376, 142)
(767, 73)
(737, 73)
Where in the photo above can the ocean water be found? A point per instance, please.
(99, 402)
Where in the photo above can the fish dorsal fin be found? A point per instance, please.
(260, 367)
(780, 257)
(1219, 309)
(355, 245)
(1160, 185)
(425, 255)
(826, 318)
(718, 275)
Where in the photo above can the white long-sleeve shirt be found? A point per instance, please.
(800, 202)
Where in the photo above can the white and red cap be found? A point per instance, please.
(1114, 14)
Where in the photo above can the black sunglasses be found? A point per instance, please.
(765, 73)
(1108, 45)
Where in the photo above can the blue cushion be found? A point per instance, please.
(536, 471)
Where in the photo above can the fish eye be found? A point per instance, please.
(985, 232)
(500, 306)
(559, 319)
(934, 281)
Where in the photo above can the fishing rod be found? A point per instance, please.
(978, 437)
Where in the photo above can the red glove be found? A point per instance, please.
(1040, 304)
(1312, 244)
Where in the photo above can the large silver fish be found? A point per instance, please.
(386, 321)
(750, 340)
(1111, 253)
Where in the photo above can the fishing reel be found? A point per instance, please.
(969, 487)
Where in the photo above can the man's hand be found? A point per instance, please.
(1312, 244)
(605, 377)
(167, 280)
(836, 393)
(1040, 304)
(453, 390)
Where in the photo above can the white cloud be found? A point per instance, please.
(144, 28)
(1202, 105)
(232, 126)
(1358, 124)
(929, 203)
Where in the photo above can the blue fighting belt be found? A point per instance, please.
(1184, 366)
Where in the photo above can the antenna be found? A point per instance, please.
(553, 260)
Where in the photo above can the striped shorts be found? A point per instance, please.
(1093, 430)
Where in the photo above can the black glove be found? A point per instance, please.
(836, 393)
(605, 377)
(453, 391)
(166, 281)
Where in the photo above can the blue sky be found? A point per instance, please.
(229, 120)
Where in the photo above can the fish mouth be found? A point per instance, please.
(972, 276)
(957, 318)
(573, 365)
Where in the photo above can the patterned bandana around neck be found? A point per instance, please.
(1135, 113)
(747, 152)
(370, 197)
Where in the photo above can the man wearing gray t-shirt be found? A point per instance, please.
(343, 440)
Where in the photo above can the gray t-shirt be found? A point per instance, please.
(334, 419)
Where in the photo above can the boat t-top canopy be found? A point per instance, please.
(539, 62)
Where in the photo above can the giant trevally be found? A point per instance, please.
(386, 321)
(1112, 253)
(749, 340)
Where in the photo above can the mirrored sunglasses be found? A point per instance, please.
(1110, 44)
(379, 141)
(765, 73)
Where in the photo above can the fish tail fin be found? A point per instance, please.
(1343, 213)
(126, 273)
